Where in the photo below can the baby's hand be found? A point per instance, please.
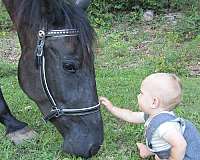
(104, 101)
(144, 151)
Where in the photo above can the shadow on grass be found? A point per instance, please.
(7, 69)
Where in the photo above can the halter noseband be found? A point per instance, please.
(56, 111)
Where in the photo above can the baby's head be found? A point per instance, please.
(160, 91)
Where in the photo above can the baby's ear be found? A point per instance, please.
(156, 103)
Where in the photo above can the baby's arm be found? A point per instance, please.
(178, 143)
(124, 114)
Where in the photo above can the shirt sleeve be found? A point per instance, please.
(167, 127)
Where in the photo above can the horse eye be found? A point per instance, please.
(69, 67)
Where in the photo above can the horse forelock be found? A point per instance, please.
(59, 14)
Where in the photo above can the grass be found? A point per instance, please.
(126, 54)
(120, 137)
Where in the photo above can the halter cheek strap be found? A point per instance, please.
(56, 111)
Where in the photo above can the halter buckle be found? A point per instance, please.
(40, 47)
(58, 111)
(55, 112)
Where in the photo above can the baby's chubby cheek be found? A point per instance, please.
(141, 108)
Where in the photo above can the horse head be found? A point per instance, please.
(56, 70)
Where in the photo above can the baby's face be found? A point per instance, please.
(145, 98)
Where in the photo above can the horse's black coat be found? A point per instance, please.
(82, 135)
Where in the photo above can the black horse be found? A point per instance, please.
(56, 70)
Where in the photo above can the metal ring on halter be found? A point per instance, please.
(41, 33)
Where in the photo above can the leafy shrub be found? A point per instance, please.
(128, 5)
(105, 6)
(183, 4)
(188, 27)
(103, 12)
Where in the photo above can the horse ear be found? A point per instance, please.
(83, 4)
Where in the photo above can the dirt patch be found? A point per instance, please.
(10, 48)
(195, 69)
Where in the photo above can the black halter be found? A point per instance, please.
(56, 111)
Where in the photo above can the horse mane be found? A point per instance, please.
(58, 13)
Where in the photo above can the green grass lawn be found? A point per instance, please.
(126, 54)
(121, 86)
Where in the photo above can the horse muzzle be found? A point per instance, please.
(83, 135)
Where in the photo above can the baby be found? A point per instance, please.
(167, 136)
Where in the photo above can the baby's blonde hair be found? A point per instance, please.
(167, 87)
